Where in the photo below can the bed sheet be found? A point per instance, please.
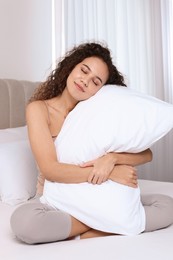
(152, 245)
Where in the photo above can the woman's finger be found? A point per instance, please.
(87, 164)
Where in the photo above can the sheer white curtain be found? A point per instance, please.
(162, 166)
(167, 44)
(138, 34)
(57, 30)
(132, 30)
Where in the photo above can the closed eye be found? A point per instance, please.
(84, 70)
(96, 82)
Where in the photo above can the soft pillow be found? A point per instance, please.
(13, 134)
(115, 119)
(18, 172)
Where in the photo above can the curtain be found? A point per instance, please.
(167, 48)
(139, 35)
(161, 167)
(131, 29)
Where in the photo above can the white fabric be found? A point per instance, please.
(167, 48)
(115, 119)
(18, 172)
(130, 28)
(12, 134)
(110, 207)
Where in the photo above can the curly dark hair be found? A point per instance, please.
(56, 82)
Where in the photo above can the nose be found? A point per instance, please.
(85, 82)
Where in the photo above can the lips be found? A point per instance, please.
(79, 87)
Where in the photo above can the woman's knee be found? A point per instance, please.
(164, 202)
(167, 203)
(35, 223)
(159, 211)
(23, 223)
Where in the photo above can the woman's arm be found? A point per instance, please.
(132, 159)
(103, 166)
(44, 151)
(124, 174)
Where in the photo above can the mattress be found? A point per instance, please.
(151, 245)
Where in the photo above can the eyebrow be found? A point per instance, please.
(90, 70)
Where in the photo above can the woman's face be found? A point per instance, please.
(87, 78)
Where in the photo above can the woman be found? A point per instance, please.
(82, 72)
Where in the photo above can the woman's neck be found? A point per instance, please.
(63, 103)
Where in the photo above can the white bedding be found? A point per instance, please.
(92, 131)
(153, 245)
(97, 205)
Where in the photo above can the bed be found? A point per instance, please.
(154, 245)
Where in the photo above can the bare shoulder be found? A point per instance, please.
(35, 105)
(36, 109)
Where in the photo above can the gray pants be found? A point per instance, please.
(35, 222)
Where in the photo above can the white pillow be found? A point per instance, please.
(18, 172)
(13, 134)
(115, 119)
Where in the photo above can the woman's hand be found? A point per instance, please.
(124, 174)
(102, 168)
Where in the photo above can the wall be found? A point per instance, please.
(25, 43)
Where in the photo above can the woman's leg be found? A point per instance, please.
(158, 210)
(39, 223)
(35, 222)
(95, 233)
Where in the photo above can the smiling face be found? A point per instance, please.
(87, 78)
